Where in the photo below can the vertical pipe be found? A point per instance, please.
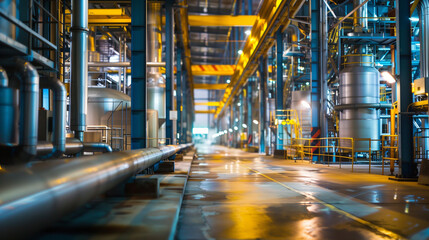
(4, 80)
(406, 160)
(279, 80)
(138, 75)
(262, 102)
(179, 93)
(29, 107)
(249, 112)
(79, 67)
(59, 115)
(169, 66)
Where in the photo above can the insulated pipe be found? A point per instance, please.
(37, 195)
(121, 64)
(73, 146)
(293, 30)
(361, 15)
(28, 106)
(4, 80)
(59, 115)
(79, 67)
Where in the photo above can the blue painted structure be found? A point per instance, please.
(138, 75)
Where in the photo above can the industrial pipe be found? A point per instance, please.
(59, 115)
(79, 67)
(29, 107)
(122, 64)
(37, 195)
(73, 146)
(4, 80)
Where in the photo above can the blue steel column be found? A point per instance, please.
(403, 36)
(315, 70)
(263, 70)
(249, 111)
(169, 66)
(241, 117)
(279, 86)
(179, 94)
(138, 75)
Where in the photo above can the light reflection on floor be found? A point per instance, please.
(230, 196)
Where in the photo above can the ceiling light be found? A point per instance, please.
(247, 32)
(388, 77)
(240, 52)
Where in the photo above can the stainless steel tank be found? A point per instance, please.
(359, 88)
(6, 27)
(301, 102)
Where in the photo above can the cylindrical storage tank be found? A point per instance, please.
(301, 102)
(359, 87)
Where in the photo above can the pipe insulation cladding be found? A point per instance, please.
(36, 195)
(79, 67)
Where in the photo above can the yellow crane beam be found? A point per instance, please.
(213, 70)
(118, 17)
(222, 20)
(217, 86)
(205, 111)
(210, 104)
(273, 15)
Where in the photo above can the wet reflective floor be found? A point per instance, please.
(232, 194)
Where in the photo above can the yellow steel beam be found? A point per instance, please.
(105, 17)
(182, 22)
(217, 86)
(273, 15)
(205, 111)
(222, 20)
(213, 70)
(210, 104)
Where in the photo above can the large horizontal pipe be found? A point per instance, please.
(73, 146)
(37, 195)
(121, 64)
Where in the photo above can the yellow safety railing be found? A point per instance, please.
(328, 149)
(389, 145)
(371, 150)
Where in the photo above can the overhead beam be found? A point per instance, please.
(217, 86)
(205, 111)
(213, 70)
(118, 16)
(273, 15)
(210, 104)
(222, 20)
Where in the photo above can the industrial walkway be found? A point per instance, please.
(236, 195)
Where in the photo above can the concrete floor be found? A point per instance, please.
(232, 194)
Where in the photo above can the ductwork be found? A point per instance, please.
(294, 34)
(79, 67)
(360, 21)
(35, 196)
(59, 116)
(29, 108)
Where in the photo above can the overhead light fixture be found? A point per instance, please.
(388, 77)
(247, 32)
(414, 19)
(255, 122)
(240, 52)
(230, 130)
(228, 80)
(235, 128)
(305, 104)
(244, 125)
